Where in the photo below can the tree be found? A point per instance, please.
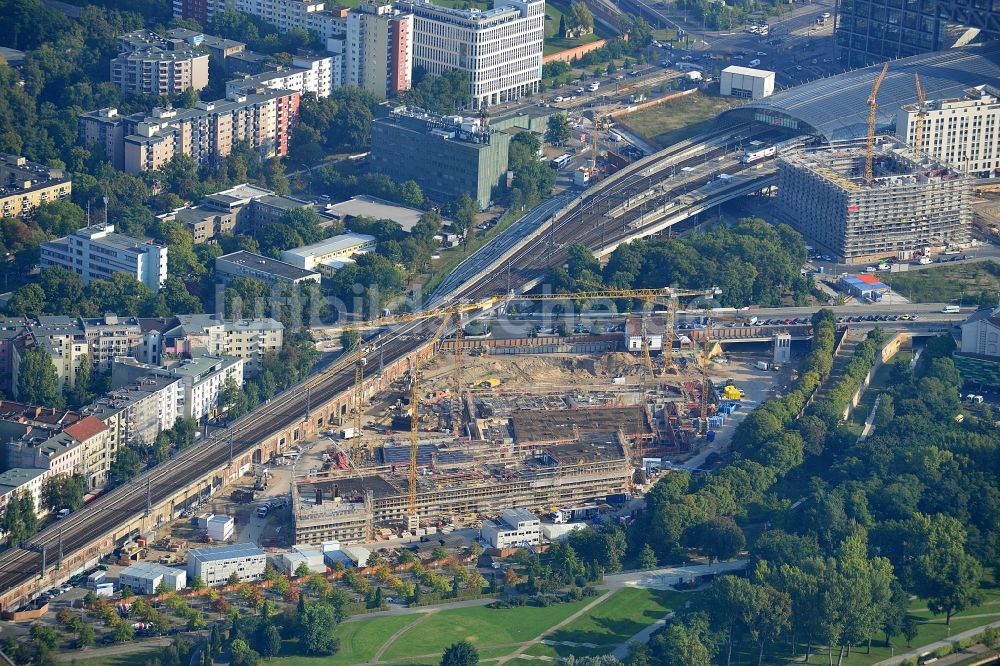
(911, 629)
(349, 339)
(234, 579)
(79, 395)
(37, 381)
(462, 653)
(465, 217)
(720, 538)
(302, 570)
(270, 642)
(28, 301)
(197, 583)
(123, 632)
(84, 635)
(439, 554)
(45, 635)
(410, 194)
(558, 131)
(64, 492)
(647, 558)
(316, 629)
(188, 98)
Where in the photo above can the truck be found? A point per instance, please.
(950, 309)
(924, 260)
(578, 513)
(349, 433)
(593, 87)
(761, 365)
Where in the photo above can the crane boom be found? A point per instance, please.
(872, 108)
(918, 140)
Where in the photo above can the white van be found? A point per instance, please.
(754, 62)
(950, 309)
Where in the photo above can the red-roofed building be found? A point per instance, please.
(93, 434)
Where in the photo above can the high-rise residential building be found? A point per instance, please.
(146, 142)
(97, 253)
(26, 185)
(913, 202)
(316, 75)
(152, 65)
(446, 156)
(872, 31)
(379, 46)
(500, 48)
(964, 133)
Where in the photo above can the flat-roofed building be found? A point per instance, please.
(308, 74)
(964, 133)
(146, 577)
(514, 528)
(152, 65)
(746, 82)
(249, 339)
(248, 264)
(214, 566)
(332, 252)
(201, 380)
(97, 253)
(24, 185)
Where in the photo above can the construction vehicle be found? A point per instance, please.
(730, 392)
(492, 382)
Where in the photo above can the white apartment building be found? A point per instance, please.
(316, 75)
(501, 48)
(964, 133)
(215, 565)
(149, 64)
(332, 252)
(21, 480)
(59, 454)
(514, 528)
(379, 47)
(201, 380)
(97, 253)
(248, 339)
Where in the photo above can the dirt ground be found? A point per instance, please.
(525, 371)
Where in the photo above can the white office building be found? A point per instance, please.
(145, 577)
(515, 528)
(964, 133)
(746, 83)
(501, 48)
(97, 253)
(215, 565)
(331, 252)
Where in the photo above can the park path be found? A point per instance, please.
(399, 632)
(621, 650)
(930, 647)
(538, 639)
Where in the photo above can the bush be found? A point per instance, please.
(944, 651)
(990, 637)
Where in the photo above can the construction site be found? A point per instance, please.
(912, 203)
(475, 431)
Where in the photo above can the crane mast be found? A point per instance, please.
(872, 108)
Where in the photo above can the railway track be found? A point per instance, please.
(583, 223)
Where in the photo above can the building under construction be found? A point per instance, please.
(913, 202)
(460, 480)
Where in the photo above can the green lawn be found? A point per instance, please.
(358, 642)
(678, 119)
(483, 627)
(553, 13)
(965, 283)
(137, 658)
(622, 615)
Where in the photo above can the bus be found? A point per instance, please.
(950, 309)
(561, 161)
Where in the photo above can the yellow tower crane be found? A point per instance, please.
(872, 108)
(918, 140)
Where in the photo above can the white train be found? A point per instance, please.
(756, 155)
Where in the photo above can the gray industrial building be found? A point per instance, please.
(446, 155)
(913, 203)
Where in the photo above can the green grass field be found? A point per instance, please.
(553, 13)
(619, 617)
(137, 658)
(483, 627)
(359, 641)
(679, 119)
(966, 283)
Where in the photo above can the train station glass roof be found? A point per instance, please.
(836, 107)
